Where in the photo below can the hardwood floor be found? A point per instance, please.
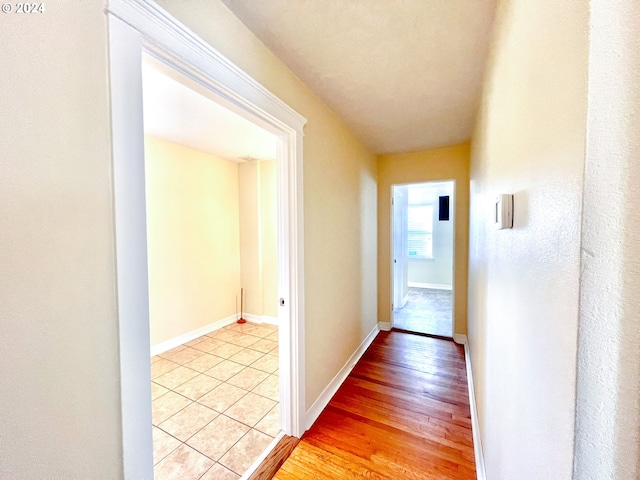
(403, 413)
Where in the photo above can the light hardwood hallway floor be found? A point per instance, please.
(403, 413)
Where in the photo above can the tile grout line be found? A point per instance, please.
(269, 375)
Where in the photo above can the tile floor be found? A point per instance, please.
(215, 403)
(427, 311)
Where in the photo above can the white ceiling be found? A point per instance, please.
(177, 113)
(405, 75)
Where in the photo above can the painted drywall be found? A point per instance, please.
(340, 246)
(524, 282)
(250, 256)
(439, 270)
(59, 386)
(192, 236)
(608, 395)
(269, 227)
(259, 237)
(449, 163)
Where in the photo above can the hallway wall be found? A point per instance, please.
(524, 282)
(60, 414)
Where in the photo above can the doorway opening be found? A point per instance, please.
(423, 227)
(137, 27)
(210, 178)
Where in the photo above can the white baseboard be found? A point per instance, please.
(475, 424)
(250, 317)
(384, 326)
(270, 320)
(325, 397)
(192, 335)
(433, 286)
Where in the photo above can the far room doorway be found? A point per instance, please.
(423, 257)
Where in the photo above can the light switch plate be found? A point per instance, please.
(504, 211)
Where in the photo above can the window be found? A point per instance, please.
(420, 231)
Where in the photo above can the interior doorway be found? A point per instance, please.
(422, 255)
(137, 27)
(210, 178)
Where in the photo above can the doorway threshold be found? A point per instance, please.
(421, 334)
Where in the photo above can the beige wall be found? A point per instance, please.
(250, 243)
(524, 283)
(59, 386)
(269, 228)
(449, 163)
(259, 237)
(192, 236)
(339, 200)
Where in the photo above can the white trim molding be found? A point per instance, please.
(197, 57)
(475, 424)
(141, 27)
(192, 335)
(432, 286)
(269, 320)
(250, 317)
(127, 133)
(384, 326)
(330, 390)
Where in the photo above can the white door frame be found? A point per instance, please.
(396, 299)
(137, 27)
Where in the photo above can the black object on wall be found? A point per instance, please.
(443, 213)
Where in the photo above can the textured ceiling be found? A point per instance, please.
(405, 75)
(176, 112)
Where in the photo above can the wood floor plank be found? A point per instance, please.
(419, 425)
(403, 412)
(413, 381)
(408, 398)
(368, 433)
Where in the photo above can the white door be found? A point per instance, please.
(399, 212)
